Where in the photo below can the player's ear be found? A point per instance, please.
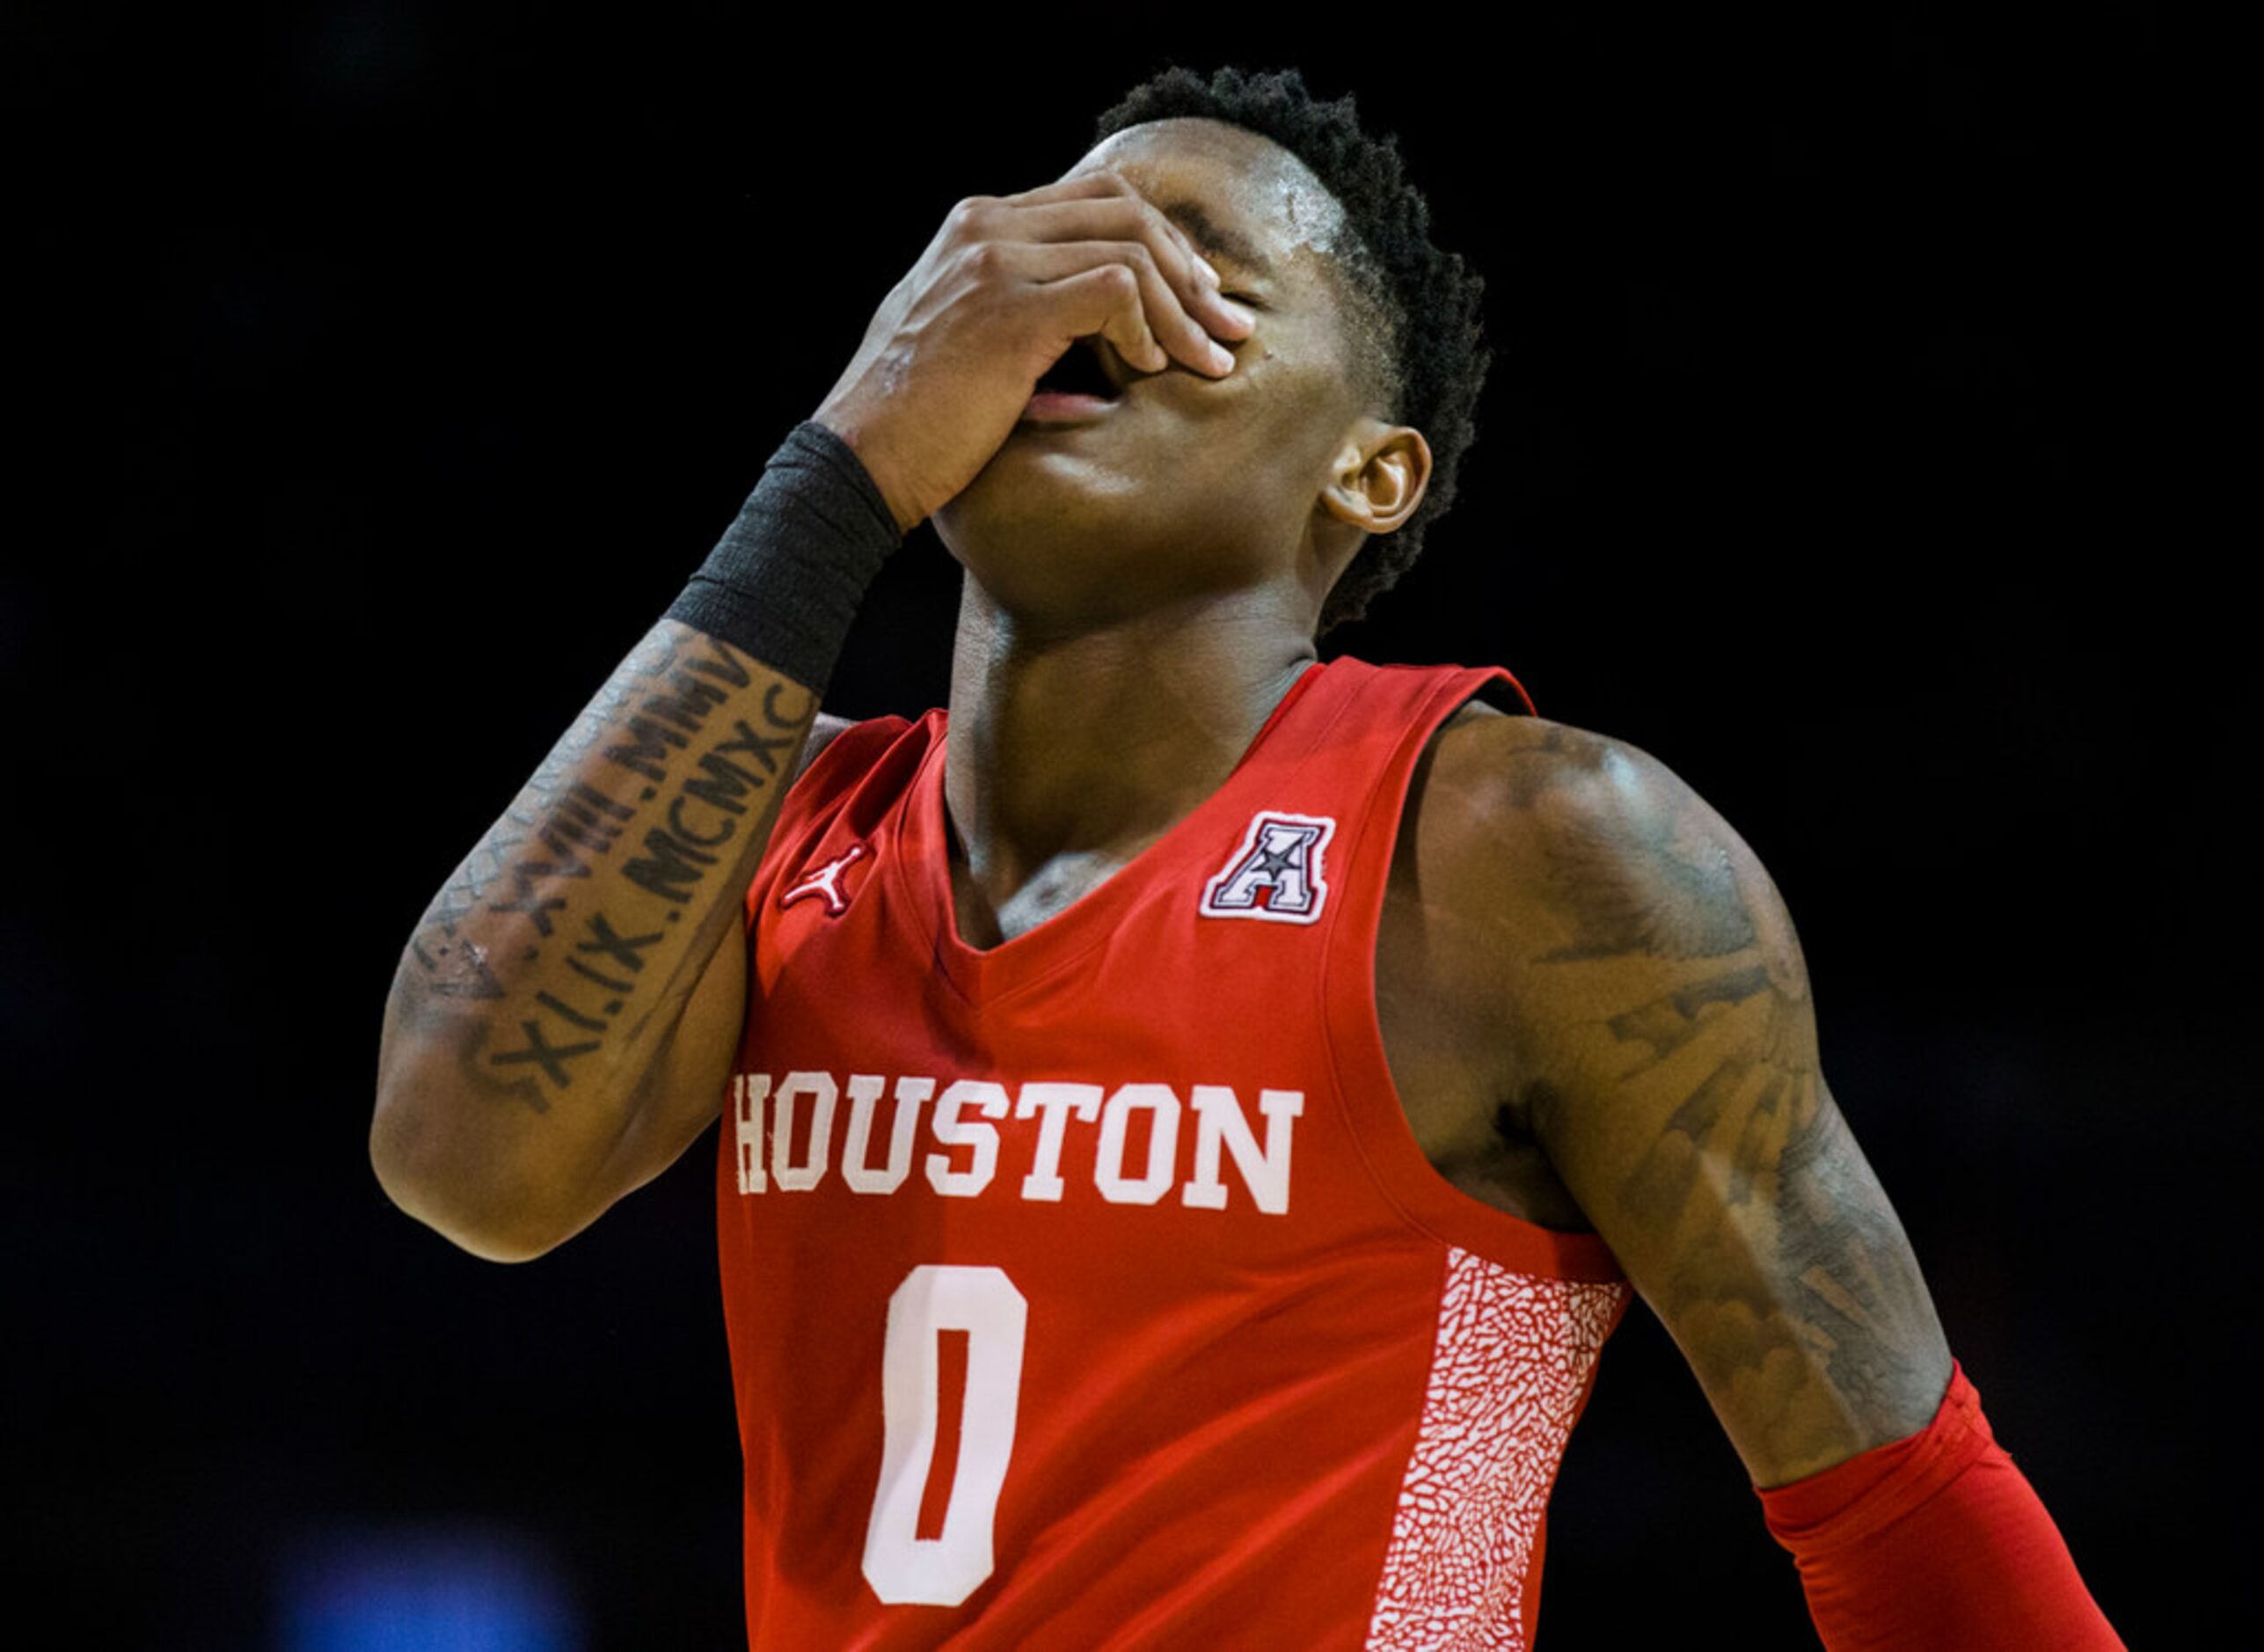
(1379, 475)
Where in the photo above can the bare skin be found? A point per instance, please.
(538, 989)
(1606, 1026)
(563, 1015)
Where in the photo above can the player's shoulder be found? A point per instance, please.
(838, 742)
(823, 731)
(1505, 770)
(1586, 844)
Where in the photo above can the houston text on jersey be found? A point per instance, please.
(791, 1133)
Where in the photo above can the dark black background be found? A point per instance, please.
(381, 370)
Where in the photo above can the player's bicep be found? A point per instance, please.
(1685, 1109)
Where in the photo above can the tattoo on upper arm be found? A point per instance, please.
(1689, 906)
(640, 771)
(1773, 1254)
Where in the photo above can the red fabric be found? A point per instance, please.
(1938, 1540)
(1289, 1387)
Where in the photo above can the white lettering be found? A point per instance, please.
(864, 1096)
(768, 1148)
(1051, 1104)
(751, 1091)
(1219, 1119)
(1163, 1144)
(823, 1092)
(953, 1131)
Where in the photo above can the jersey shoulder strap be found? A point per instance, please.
(864, 771)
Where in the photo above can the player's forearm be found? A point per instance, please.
(536, 991)
(551, 974)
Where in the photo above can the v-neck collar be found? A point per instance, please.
(922, 868)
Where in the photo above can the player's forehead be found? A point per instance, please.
(1234, 191)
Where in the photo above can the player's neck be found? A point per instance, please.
(1096, 742)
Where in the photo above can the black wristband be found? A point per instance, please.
(786, 577)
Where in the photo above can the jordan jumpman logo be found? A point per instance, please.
(825, 883)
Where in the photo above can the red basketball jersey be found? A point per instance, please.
(1092, 1290)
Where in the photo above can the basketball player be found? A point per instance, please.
(1191, 1116)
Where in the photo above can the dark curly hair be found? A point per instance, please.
(1417, 310)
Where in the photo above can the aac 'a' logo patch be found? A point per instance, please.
(1278, 873)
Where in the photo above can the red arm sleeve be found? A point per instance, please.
(1938, 1540)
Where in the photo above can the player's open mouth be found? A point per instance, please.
(1074, 390)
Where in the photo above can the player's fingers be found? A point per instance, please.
(1103, 183)
(1104, 299)
(1113, 216)
(1085, 185)
(1124, 186)
(1165, 321)
(1010, 219)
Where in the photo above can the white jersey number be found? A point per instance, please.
(903, 1567)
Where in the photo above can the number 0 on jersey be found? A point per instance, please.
(904, 1568)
